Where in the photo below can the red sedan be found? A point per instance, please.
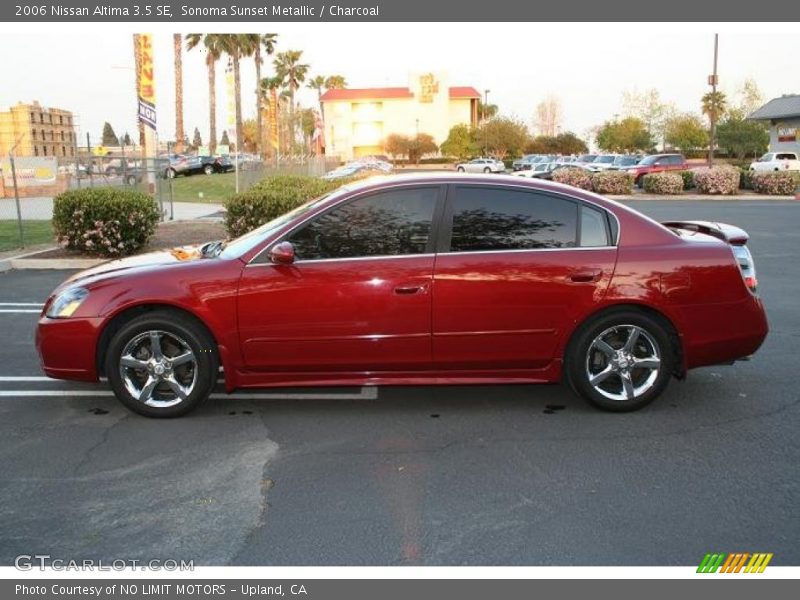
(447, 279)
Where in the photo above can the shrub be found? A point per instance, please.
(775, 183)
(663, 183)
(745, 178)
(612, 182)
(688, 179)
(574, 176)
(273, 197)
(104, 221)
(717, 180)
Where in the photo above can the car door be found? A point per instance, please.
(357, 297)
(514, 268)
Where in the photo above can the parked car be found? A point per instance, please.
(625, 160)
(359, 167)
(482, 165)
(526, 161)
(585, 159)
(539, 170)
(777, 161)
(180, 164)
(603, 162)
(422, 279)
(656, 163)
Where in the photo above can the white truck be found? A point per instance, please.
(777, 161)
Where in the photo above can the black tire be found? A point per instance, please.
(170, 173)
(579, 359)
(131, 180)
(487, 170)
(168, 323)
(461, 169)
(208, 170)
(639, 182)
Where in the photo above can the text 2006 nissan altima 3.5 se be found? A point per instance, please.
(447, 279)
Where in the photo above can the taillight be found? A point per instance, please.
(747, 266)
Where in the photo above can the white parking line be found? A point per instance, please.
(20, 310)
(39, 304)
(366, 393)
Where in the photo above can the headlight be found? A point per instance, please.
(66, 303)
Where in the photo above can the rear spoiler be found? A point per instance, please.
(727, 233)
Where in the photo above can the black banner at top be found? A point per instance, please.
(234, 11)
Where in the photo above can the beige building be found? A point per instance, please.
(358, 120)
(37, 130)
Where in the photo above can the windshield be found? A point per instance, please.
(238, 246)
(649, 160)
(605, 159)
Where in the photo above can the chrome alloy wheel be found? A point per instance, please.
(158, 368)
(623, 362)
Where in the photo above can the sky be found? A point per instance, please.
(89, 69)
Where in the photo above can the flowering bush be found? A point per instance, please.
(271, 198)
(663, 183)
(775, 183)
(574, 176)
(612, 182)
(688, 179)
(717, 180)
(104, 221)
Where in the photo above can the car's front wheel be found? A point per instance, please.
(208, 170)
(621, 361)
(461, 169)
(162, 364)
(487, 170)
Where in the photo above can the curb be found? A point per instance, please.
(25, 261)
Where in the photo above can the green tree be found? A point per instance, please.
(257, 44)
(563, 143)
(486, 111)
(335, 82)
(502, 136)
(648, 107)
(460, 142)
(109, 137)
(686, 132)
(750, 97)
(211, 43)
(177, 65)
(628, 135)
(742, 137)
(197, 141)
(714, 105)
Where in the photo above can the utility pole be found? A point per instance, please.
(16, 191)
(712, 117)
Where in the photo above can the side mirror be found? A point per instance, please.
(282, 253)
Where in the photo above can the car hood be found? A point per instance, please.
(151, 260)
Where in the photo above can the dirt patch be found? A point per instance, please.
(167, 235)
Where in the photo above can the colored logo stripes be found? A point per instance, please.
(735, 562)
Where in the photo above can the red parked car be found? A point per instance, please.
(447, 279)
(656, 163)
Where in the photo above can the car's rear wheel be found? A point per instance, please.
(487, 170)
(162, 364)
(621, 361)
(460, 169)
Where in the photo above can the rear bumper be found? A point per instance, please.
(67, 347)
(732, 331)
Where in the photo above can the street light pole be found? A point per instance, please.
(16, 192)
(713, 112)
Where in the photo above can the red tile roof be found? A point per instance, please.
(391, 92)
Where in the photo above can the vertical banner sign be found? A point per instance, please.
(147, 84)
(273, 123)
(230, 88)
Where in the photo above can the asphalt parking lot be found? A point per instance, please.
(502, 475)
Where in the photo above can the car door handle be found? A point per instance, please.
(407, 290)
(586, 275)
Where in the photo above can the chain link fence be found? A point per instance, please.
(184, 186)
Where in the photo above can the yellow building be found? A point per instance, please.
(357, 121)
(37, 130)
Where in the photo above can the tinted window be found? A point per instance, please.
(593, 227)
(390, 223)
(676, 160)
(502, 219)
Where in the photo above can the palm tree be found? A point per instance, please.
(713, 106)
(258, 42)
(291, 73)
(236, 46)
(317, 83)
(177, 45)
(211, 42)
(335, 82)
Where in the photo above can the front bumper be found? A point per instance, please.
(67, 347)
